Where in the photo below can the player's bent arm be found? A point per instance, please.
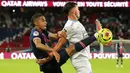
(60, 43)
(53, 35)
(37, 42)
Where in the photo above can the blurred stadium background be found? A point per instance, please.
(15, 28)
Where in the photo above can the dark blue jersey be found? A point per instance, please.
(120, 48)
(52, 66)
(44, 40)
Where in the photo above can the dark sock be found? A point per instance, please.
(117, 61)
(121, 61)
(84, 43)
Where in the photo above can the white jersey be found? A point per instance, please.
(76, 32)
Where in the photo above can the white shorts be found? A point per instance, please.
(81, 64)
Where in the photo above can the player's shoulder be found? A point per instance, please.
(70, 23)
(34, 32)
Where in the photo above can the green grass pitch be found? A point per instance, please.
(29, 66)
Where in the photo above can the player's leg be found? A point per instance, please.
(50, 67)
(63, 56)
(81, 64)
(53, 71)
(66, 53)
(117, 61)
(121, 61)
(80, 45)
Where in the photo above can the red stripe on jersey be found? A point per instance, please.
(82, 44)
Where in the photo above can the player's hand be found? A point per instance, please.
(61, 34)
(98, 25)
(56, 55)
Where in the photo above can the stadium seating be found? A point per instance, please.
(118, 22)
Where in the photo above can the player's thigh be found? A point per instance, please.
(52, 70)
(81, 64)
(83, 70)
(63, 56)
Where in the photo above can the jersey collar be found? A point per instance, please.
(72, 20)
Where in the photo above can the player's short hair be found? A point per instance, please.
(68, 6)
(34, 17)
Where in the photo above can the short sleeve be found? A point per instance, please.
(35, 34)
(46, 33)
(69, 31)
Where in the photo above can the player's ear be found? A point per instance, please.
(73, 11)
(36, 23)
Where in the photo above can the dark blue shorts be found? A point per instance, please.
(120, 55)
(63, 56)
(54, 67)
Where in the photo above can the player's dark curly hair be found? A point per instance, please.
(34, 17)
(68, 6)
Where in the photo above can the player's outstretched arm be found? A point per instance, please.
(61, 40)
(60, 43)
(61, 35)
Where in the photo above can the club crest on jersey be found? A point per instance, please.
(35, 33)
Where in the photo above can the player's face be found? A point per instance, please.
(42, 23)
(77, 12)
(120, 39)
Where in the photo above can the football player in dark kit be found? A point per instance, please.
(119, 50)
(53, 58)
(39, 39)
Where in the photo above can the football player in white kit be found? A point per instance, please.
(75, 32)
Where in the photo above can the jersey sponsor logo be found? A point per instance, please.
(35, 33)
